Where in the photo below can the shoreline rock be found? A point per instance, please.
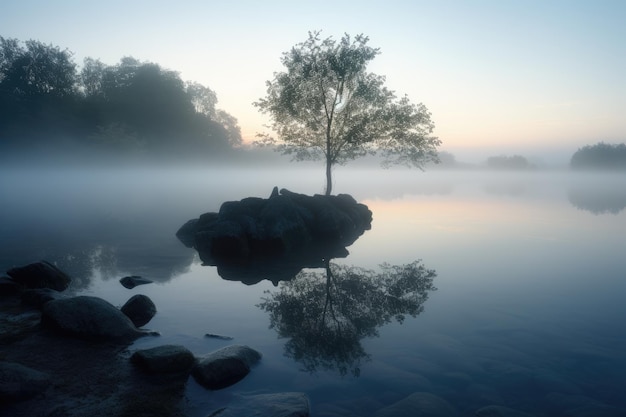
(89, 318)
(139, 309)
(164, 359)
(225, 367)
(40, 274)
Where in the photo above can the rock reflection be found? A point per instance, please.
(325, 315)
(158, 259)
(275, 268)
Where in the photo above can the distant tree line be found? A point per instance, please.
(600, 156)
(47, 102)
(508, 162)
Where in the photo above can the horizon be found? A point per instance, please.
(535, 79)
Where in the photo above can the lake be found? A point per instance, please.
(524, 307)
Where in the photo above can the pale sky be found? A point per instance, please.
(498, 76)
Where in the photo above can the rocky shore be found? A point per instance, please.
(65, 355)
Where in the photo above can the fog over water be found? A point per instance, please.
(527, 312)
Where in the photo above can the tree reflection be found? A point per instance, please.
(599, 198)
(326, 314)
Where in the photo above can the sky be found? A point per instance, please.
(532, 77)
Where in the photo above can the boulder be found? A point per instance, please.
(225, 367)
(39, 297)
(139, 309)
(90, 318)
(164, 359)
(421, 404)
(285, 223)
(18, 382)
(132, 281)
(186, 232)
(285, 404)
(40, 275)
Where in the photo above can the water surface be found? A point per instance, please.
(530, 278)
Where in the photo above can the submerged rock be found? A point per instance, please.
(139, 309)
(218, 336)
(40, 275)
(87, 317)
(285, 404)
(164, 359)
(225, 367)
(132, 281)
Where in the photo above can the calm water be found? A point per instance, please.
(528, 310)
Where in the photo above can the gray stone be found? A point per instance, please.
(283, 223)
(18, 382)
(139, 309)
(225, 367)
(40, 275)
(287, 404)
(499, 411)
(164, 359)
(39, 297)
(421, 404)
(132, 281)
(90, 318)
(218, 336)
(186, 232)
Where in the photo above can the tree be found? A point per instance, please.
(37, 70)
(203, 98)
(327, 106)
(38, 83)
(600, 156)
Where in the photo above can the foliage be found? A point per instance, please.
(132, 106)
(325, 315)
(325, 105)
(600, 156)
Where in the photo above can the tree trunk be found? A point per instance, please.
(329, 180)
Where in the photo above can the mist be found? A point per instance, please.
(100, 170)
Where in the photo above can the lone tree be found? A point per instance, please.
(327, 106)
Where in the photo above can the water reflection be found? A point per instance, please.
(109, 254)
(325, 315)
(598, 199)
(275, 268)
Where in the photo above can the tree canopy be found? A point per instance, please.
(132, 106)
(325, 105)
(600, 156)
